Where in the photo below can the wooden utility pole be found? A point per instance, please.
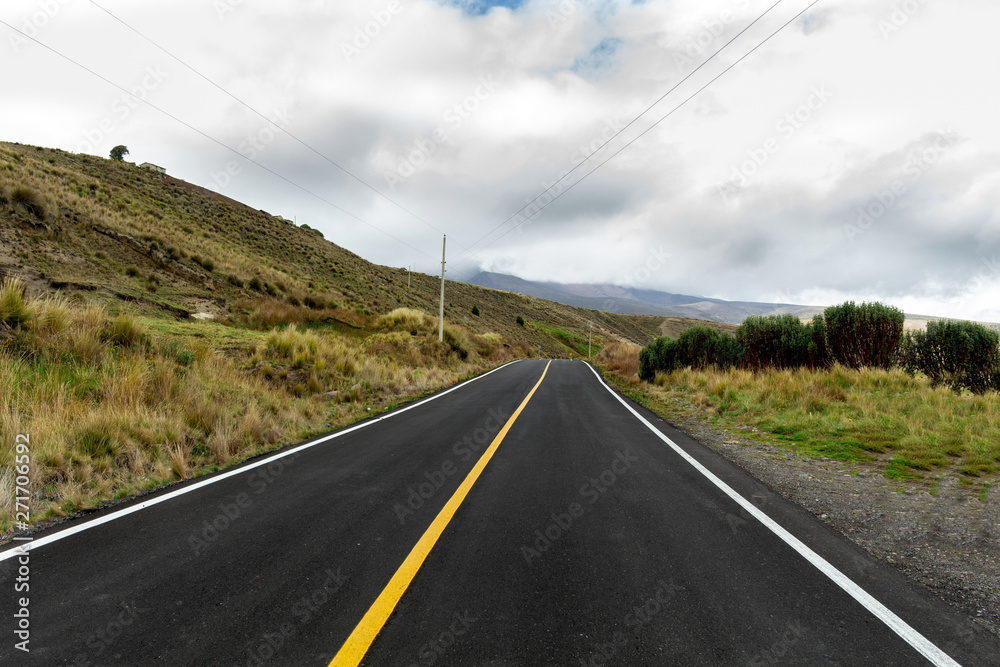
(444, 243)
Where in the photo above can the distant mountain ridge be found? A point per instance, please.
(633, 301)
(617, 299)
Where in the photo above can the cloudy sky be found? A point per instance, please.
(854, 155)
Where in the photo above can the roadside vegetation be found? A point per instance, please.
(115, 403)
(851, 385)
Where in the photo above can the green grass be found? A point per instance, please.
(573, 342)
(902, 425)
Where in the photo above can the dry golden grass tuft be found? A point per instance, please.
(621, 358)
(407, 319)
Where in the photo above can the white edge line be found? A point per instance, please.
(923, 645)
(93, 523)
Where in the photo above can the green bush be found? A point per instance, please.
(774, 341)
(699, 346)
(961, 355)
(817, 347)
(475, 310)
(520, 320)
(865, 336)
(782, 341)
(728, 352)
(658, 355)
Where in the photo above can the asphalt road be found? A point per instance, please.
(585, 540)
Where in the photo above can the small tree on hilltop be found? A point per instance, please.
(475, 311)
(118, 153)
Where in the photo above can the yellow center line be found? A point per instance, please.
(357, 645)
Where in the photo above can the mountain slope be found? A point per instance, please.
(617, 299)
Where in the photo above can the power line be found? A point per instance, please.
(632, 122)
(271, 122)
(215, 141)
(644, 132)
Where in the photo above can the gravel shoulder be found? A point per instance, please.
(938, 534)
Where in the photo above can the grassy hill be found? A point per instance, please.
(151, 330)
(112, 231)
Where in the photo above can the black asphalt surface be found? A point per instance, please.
(586, 541)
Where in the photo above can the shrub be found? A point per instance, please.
(131, 271)
(699, 346)
(817, 348)
(475, 310)
(782, 341)
(656, 356)
(865, 336)
(520, 320)
(256, 284)
(961, 355)
(235, 280)
(28, 201)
